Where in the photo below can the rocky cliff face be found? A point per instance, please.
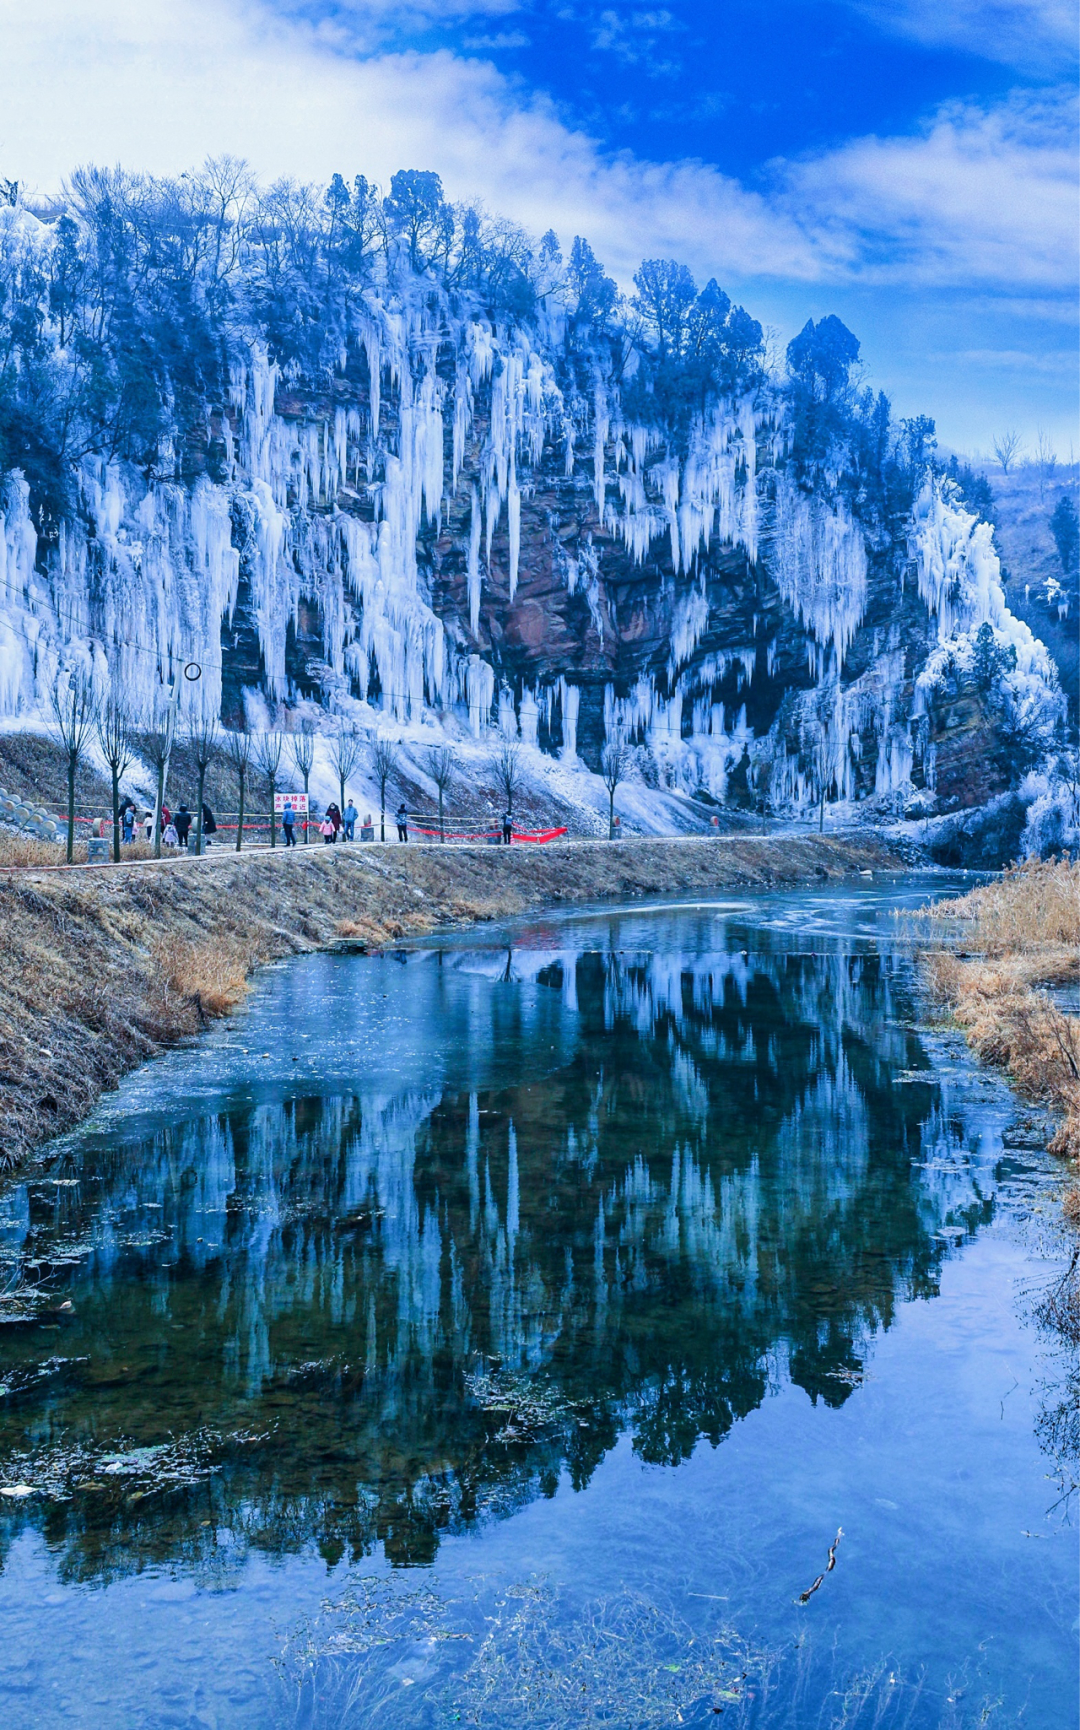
(450, 526)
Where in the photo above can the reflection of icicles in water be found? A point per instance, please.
(824, 1143)
(646, 1226)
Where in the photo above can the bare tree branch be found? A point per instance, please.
(440, 766)
(1007, 447)
(302, 752)
(203, 739)
(615, 761)
(72, 721)
(236, 749)
(118, 750)
(507, 771)
(267, 755)
(384, 756)
(346, 755)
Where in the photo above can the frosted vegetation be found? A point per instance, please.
(210, 389)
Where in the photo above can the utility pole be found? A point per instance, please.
(192, 673)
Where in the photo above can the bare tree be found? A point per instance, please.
(302, 752)
(236, 749)
(118, 750)
(1045, 459)
(73, 718)
(763, 773)
(346, 755)
(384, 756)
(506, 768)
(826, 761)
(440, 766)
(202, 737)
(267, 755)
(156, 728)
(615, 761)
(1007, 447)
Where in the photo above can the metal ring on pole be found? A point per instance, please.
(192, 675)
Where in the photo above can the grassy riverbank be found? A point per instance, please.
(107, 965)
(1011, 956)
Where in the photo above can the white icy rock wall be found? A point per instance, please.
(959, 577)
(329, 508)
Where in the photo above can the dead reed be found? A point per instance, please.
(211, 977)
(1029, 909)
(1005, 942)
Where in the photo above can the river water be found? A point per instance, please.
(501, 1332)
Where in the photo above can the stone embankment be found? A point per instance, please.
(107, 965)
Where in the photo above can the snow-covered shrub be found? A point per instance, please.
(1053, 818)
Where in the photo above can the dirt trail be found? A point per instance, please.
(107, 965)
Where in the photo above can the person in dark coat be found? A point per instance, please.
(402, 822)
(182, 825)
(209, 825)
(508, 829)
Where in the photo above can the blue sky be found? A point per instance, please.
(908, 164)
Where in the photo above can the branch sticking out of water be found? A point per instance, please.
(804, 1597)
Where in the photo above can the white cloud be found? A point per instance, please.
(981, 197)
(160, 84)
(1054, 362)
(1033, 34)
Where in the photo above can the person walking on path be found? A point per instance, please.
(326, 830)
(209, 825)
(333, 811)
(148, 825)
(128, 822)
(402, 822)
(349, 816)
(288, 819)
(508, 829)
(182, 821)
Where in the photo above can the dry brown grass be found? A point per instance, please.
(1031, 908)
(1026, 926)
(26, 851)
(16, 849)
(210, 976)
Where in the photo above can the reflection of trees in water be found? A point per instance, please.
(715, 1192)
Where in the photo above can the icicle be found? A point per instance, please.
(462, 416)
(514, 516)
(569, 703)
(529, 716)
(374, 361)
(473, 564)
(479, 693)
(600, 433)
(819, 565)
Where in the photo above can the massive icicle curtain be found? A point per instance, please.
(333, 474)
(145, 574)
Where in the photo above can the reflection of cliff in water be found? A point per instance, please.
(721, 1186)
